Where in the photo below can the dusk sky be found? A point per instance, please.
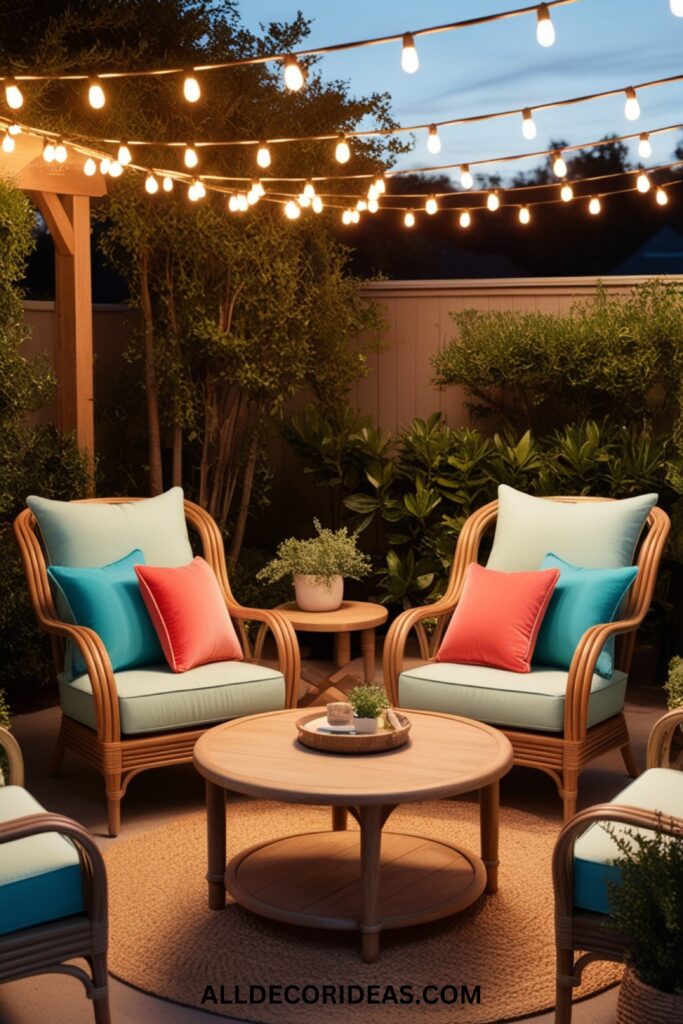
(601, 44)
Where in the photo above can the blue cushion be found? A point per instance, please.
(40, 877)
(108, 600)
(582, 598)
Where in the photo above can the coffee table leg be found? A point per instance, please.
(367, 646)
(339, 817)
(370, 846)
(215, 834)
(342, 649)
(488, 817)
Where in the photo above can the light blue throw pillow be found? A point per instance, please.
(582, 598)
(108, 600)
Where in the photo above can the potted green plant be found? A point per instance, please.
(318, 567)
(674, 699)
(368, 703)
(647, 909)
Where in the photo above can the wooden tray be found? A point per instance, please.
(351, 743)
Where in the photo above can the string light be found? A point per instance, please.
(123, 155)
(89, 167)
(361, 205)
(372, 191)
(373, 206)
(167, 183)
(566, 193)
(151, 184)
(466, 179)
(529, 129)
(643, 183)
(342, 152)
(559, 166)
(232, 203)
(380, 184)
(594, 206)
(660, 195)
(8, 143)
(196, 190)
(492, 201)
(60, 152)
(190, 158)
(465, 219)
(115, 169)
(96, 97)
(632, 106)
(191, 88)
(545, 31)
(317, 204)
(302, 199)
(409, 219)
(433, 140)
(355, 216)
(431, 206)
(346, 217)
(263, 155)
(13, 94)
(253, 198)
(524, 215)
(294, 76)
(105, 164)
(309, 190)
(676, 7)
(242, 202)
(48, 151)
(410, 61)
(257, 185)
(14, 129)
(644, 146)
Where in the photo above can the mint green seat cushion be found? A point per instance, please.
(593, 534)
(40, 877)
(156, 699)
(657, 789)
(519, 700)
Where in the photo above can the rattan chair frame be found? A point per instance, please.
(564, 755)
(48, 948)
(117, 757)
(579, 930)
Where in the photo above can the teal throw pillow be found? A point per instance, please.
(108, 600)
(582, 598)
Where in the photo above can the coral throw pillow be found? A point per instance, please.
(497, 619)
(189, 614)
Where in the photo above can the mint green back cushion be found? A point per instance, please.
(593, 534)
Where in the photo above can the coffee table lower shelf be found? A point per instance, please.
(316, 880)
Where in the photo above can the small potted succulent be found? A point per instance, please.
(674, 691)
(368, 703)
(318, 567)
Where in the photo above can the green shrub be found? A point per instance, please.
(368, 701)
(330, 553)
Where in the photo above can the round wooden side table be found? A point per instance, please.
(366, 879)
(350, 617)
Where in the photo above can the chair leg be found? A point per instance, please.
(563, 990)
(100, 997)
(629, 760)
(114, 794)
(570, 792)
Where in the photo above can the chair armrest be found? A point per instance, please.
(289, 659)
(659, 743)
(16, 761)
(582, 669)
(397, 637)
(93, 871)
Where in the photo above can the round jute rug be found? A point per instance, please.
(165, 941)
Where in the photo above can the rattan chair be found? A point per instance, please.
(561, 755)
(48, 948)
(117, 757)
(582, 930)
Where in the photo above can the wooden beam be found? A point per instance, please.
(57, 220)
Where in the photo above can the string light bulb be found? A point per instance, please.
(294, 76)
(105, 164)
(60, 152)
(355, 216)
(342, 152)
(190, 158)
(676, 8)
(8, 143)
(380, 184)
(196, 191)
(660, 195)
(303, 200)
(545, 30)
(524, 215)
(431, 206)
(492, 201)
(595, 206)
(529, 129)
(433, 140)
(644, 146)
(465, 219)
(361, 205)
(89, 167)
(96, 97)
(14, 129)
(115, 169)
(48, 151)
(263, 155)
(13, 94)
(566, 193)
(373, 206)
(123, 154)
(309, 190)
(409, 219)
(373, 192)
(167, 183)
(410, 61)
(242, 202)
(632, 106)
(257, 186)
(317, 204)
(466, 179)
(233, 205)
(643, 183)
(559, 165)
(151, 184)
(346, 217)
(191, 88)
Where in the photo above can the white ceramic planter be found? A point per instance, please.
(312, 596)
(365, 725)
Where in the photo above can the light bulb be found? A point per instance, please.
(115, 169)
(465, 219)
(123, 155)
(660, 195)
(263, 155)
(257, 186)
(294, 76)
(105, 164)
(7, 143)
(355, 216)
(48, 151)
(566, 193)
(342, 153)
(492, 201)
(410, 61)
(151, 184)
(201, 191)
(292, 210)
(676, 7)
(361, 205)
(644, 145)
(595, 206)
(632, 106)
(524, 215)
(431, 206)
(14, 129)
(317, 204)
(253, 197)
(528, 124)
(643, 183)
(559, 166)
(232, 203)
(373, 206)
(243, 204)
(309, 189)
(380, 185)
(192, 192)
(191, 88)
(373, 192)
(190, 158)
(346, 217)
(433, 140)
(13, 94)
(545, 32)
(60, 152)
(409, 219)
(89, 167)
(303, 200)
(167, 183)
(96, 97)
(466, 179)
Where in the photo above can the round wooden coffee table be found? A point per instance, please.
(368, 879)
